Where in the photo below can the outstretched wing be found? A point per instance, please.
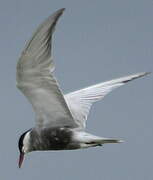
(35, 78)
(80, 101)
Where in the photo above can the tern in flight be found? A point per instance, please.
(60, 119)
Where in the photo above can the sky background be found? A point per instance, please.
(94, 41)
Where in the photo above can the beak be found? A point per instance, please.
(21, 158)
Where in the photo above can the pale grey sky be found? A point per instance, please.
(94, 41)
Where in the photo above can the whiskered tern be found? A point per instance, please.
(60, 119)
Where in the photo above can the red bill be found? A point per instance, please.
(21, 158)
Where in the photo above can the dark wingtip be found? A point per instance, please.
(146, 73)
(60, 10)
(57, 14)
(63, 9)
(137, 76)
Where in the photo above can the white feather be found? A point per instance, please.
(79, 102)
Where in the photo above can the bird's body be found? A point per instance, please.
(60, 119)
(62, 138)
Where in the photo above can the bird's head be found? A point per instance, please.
(23, 145)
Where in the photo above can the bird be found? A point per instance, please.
(60, 120)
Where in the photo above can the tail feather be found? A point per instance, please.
(111, 140)
(88, 140)
(101, 141)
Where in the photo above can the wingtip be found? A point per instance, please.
(147, 73)
(61, 10)
(144, 74)
(58, 13)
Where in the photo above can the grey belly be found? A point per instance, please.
(53, 139)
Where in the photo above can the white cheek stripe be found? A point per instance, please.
(26, 142)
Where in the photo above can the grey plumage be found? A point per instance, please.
(55, 139)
